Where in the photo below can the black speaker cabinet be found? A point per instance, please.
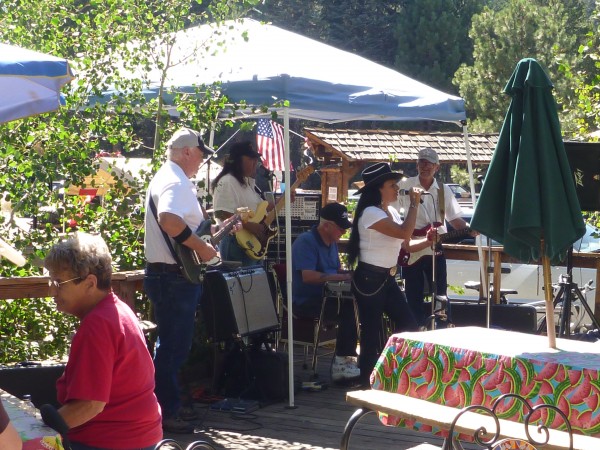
(521, 318)
(36, 380)
(237, 303)
(584, 159)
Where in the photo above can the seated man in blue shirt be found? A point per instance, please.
(315, 261)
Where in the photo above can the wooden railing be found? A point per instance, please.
(125, 285)
(469, 253)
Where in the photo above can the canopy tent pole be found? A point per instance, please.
(482, 272)
(288, 253)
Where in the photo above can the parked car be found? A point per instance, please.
(458, 191)
(526, 279)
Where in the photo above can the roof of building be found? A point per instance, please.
(402, 146)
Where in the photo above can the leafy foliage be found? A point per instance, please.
(62, 146)
(502, 37)
(432, 39)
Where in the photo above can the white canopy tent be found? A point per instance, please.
(264, 65)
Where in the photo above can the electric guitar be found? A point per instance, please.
(193, 268)
(408, 259)
(254, 247)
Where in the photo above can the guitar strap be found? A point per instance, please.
(259, 192)
(165, 235)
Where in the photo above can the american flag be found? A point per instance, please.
(269, 139)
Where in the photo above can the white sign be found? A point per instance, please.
(332, 194)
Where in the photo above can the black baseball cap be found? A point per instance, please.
(244, 148)
(336, 213)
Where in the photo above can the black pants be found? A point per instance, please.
(375, 294)
(417, 276)
(346, 336)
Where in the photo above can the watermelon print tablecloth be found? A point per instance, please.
(33, 432)
(469, 365)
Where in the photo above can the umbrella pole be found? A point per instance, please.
(550, 327)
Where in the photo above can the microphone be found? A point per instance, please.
(407, 192)
(52, 418)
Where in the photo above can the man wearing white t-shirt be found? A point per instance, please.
(172, 196)
(432, 213)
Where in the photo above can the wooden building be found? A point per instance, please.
(342, 154)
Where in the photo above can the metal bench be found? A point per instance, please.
(482, 424)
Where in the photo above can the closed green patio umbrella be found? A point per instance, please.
(528, 200)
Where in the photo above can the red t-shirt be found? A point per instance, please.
(109, 362)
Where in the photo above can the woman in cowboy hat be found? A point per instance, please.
(377, 234)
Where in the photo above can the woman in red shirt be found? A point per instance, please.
(107, 389)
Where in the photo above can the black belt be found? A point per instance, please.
(163, 267)
(387, 270)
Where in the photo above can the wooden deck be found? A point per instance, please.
(316, 422)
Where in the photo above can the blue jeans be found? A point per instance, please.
(175, 301)
(376, 293)
(231, 251)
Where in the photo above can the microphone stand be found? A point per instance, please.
(270, 176)
(433, 285)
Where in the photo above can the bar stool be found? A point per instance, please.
(338, 291)
(476, 286)
(306, 330)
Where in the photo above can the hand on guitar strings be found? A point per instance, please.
(258, 230)
(432, 235)
(205, 250)
(237, 223)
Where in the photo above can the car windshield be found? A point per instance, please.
(457, 189)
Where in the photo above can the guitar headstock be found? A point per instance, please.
(303, 174)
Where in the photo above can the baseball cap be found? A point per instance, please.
(336, 213)
(185, 137)
(243, 148)
(429, 154)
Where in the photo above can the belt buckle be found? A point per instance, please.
(393, 271)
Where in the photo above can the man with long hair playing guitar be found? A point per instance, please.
(235, 187)
(437, 207)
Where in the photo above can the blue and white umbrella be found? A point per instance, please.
(30, 82)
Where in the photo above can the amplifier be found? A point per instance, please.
(276, 249)
(304, 208)
(521, 318)
(236, 303)
(584, 159)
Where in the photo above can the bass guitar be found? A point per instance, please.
(257, 248)
(408, 259)
(192, 267)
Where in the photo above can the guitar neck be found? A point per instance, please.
(454, 234)
(279, 205)
(219, 235)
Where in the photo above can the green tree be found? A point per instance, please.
(585, 106)
(300, 16)
(432, 39)
(522, 28)
(364, 27)
(38, 151)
